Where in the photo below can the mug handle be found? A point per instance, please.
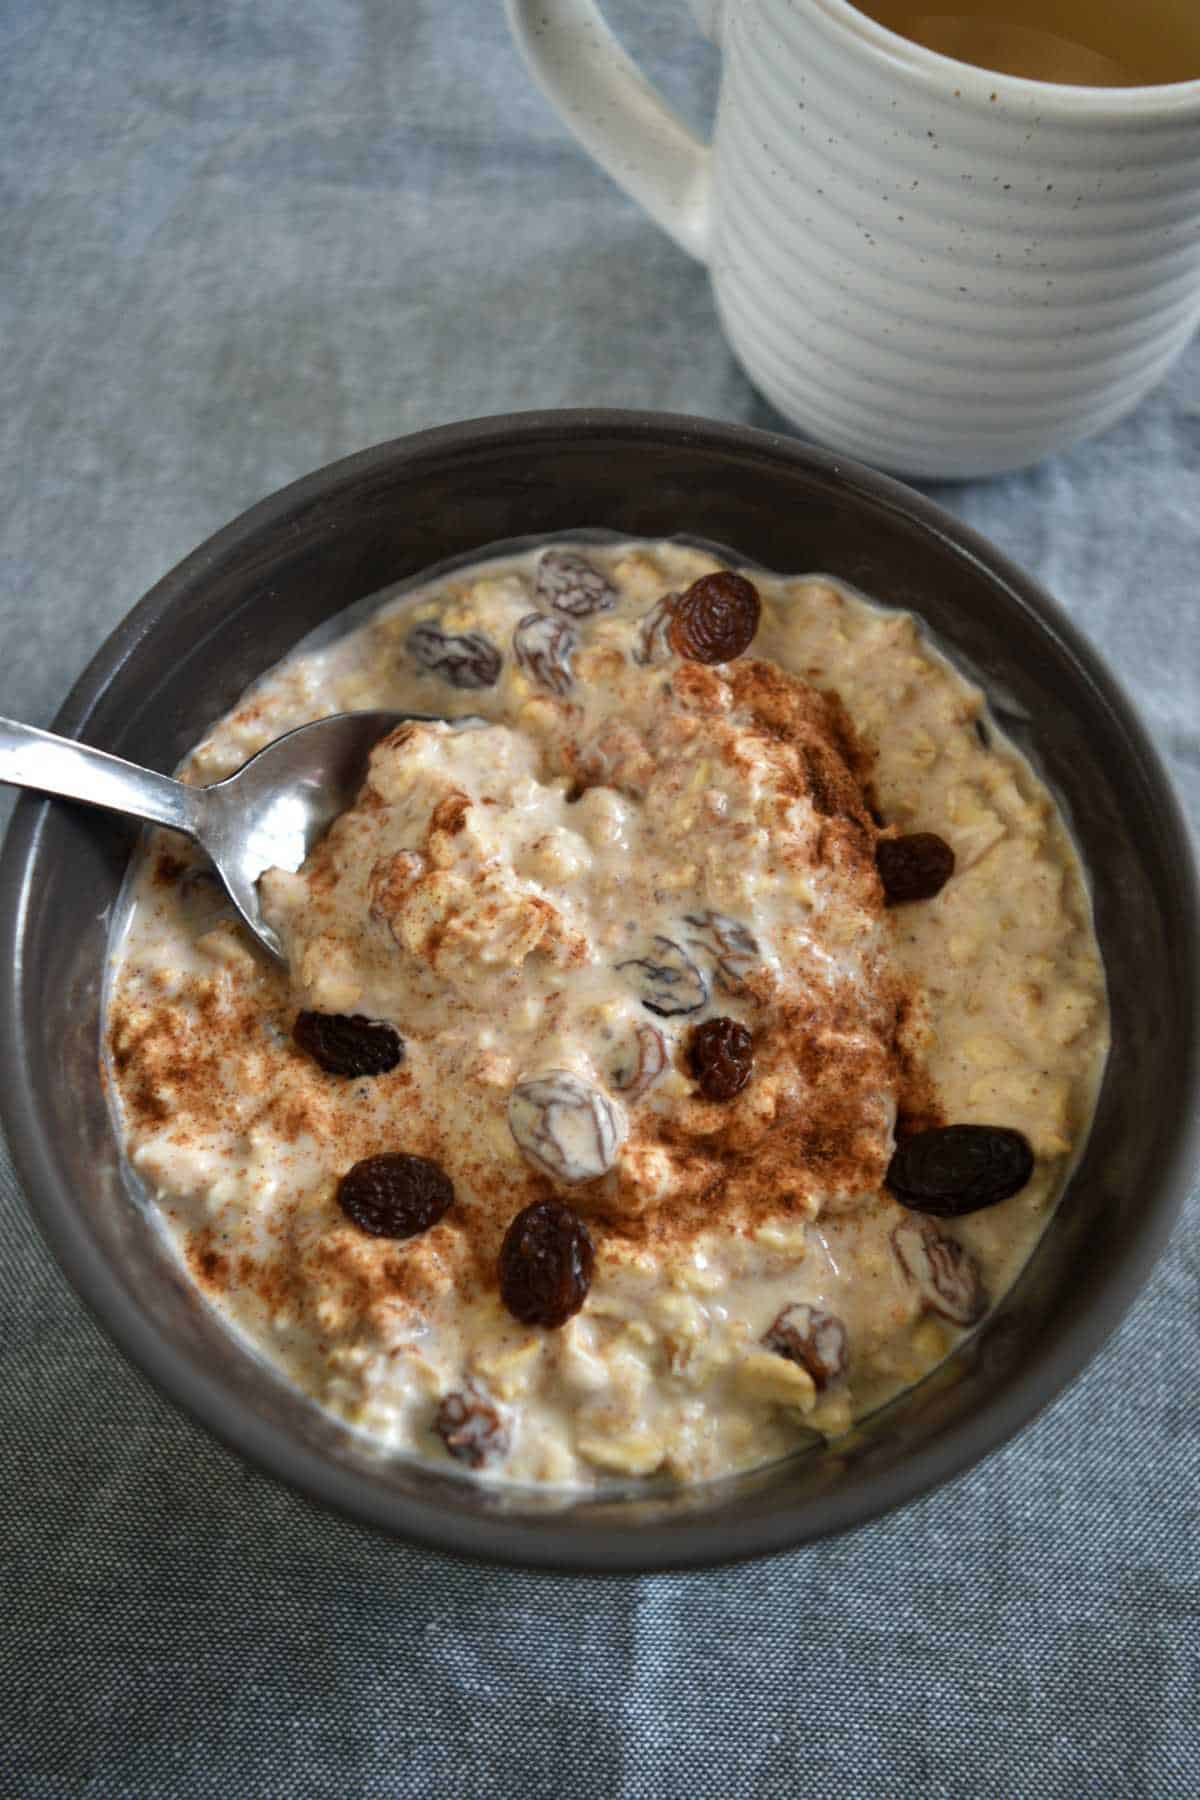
(618, 117)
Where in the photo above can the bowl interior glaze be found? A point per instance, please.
(245, 598)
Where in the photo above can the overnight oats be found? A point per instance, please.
(684, 1039)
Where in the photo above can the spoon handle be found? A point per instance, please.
(53, 765)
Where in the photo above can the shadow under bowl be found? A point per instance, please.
(242, 601)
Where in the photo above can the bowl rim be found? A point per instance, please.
(532, 1541)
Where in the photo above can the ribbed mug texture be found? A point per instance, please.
(939, 270)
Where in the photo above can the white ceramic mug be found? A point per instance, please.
(935, 268)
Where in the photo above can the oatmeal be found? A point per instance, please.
(685, 1037)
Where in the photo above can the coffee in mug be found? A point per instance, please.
(1086, 43)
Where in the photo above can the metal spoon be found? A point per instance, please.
(268, 815)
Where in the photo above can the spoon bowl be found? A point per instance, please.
(268, 815)
(275, 808)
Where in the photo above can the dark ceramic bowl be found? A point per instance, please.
(242, 601)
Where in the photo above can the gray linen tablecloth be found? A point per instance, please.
(239, 240)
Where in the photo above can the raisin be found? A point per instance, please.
(721, 1055)
(716, 619)
(814, 1339)
(468, 661)
(546, 1263)
(638, 1070)
(915, 867)
(945, 1275)
(668, 981)
(395, 1195)
(956, 1169)
(732, 947)
(565, 1126)
(573, 585)
(543, 647)
(652, 642)
(471, 1428)
(347, 1044)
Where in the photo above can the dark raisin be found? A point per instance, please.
(567, 1127)
(945, 1275)
(543, 646)
(814, 1339)
(915, 867)
(667, 980)
(652, 642)
(721, 1055)
(956, 1169)
(716, 619)
(395, 1195)
(546, 1263)
(572, 585)
(346, 1044)
(469, 661)
(471, 1428)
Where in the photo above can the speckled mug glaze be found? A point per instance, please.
(939, 269)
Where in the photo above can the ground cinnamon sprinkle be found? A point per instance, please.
(836, 1062)
(168, 869)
